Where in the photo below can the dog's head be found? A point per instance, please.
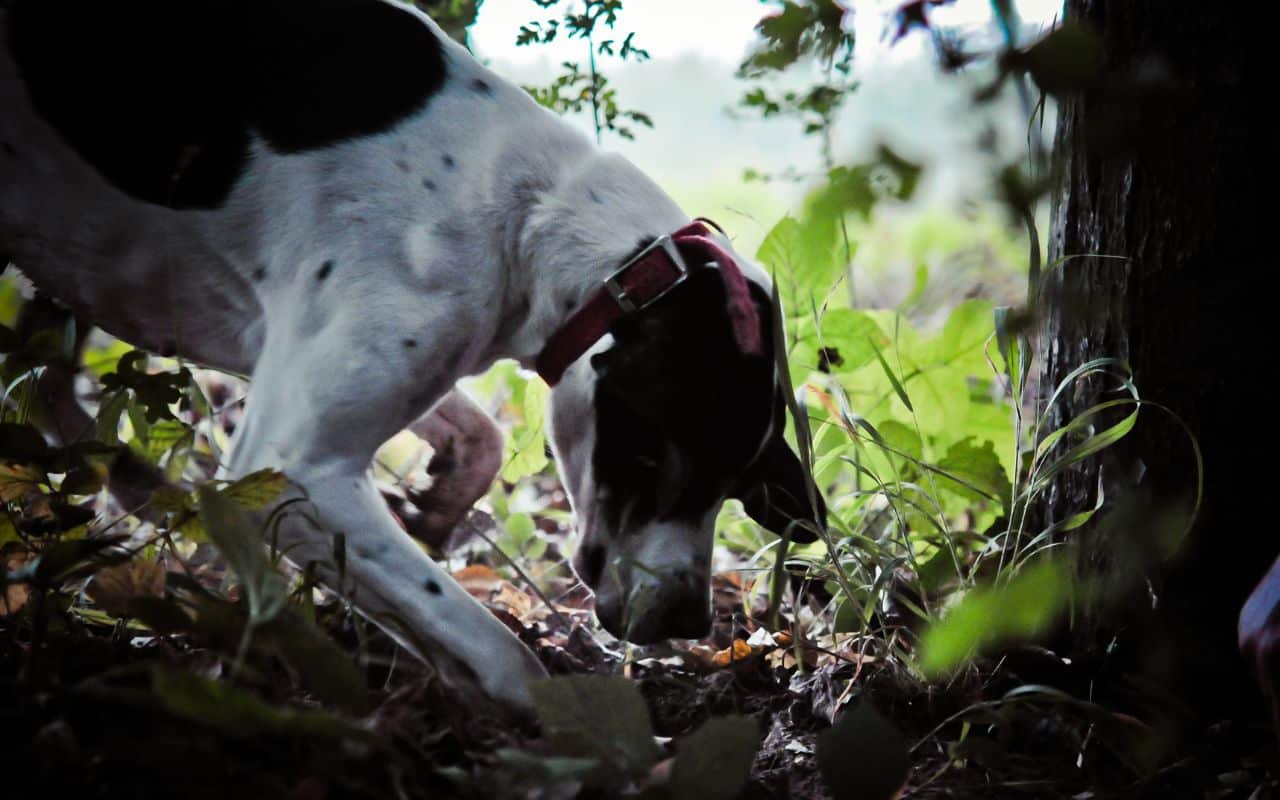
(653, 430)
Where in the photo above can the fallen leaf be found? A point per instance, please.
(514, 600)
(479, 579)
(739, 651)
(114, 588)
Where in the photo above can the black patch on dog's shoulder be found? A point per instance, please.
(161, 97)
(324, 270)
(409, 344)
(433, 587)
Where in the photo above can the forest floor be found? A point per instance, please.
(99, 712)
(317, 703)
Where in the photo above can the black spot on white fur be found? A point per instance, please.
(324, 270)
(433, 587)
(482, 86)
(428, 184)
(448, 161)
(161, 97)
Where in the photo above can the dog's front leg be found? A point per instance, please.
(390, 580)
(319, 418)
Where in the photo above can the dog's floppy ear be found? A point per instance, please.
(774, 494)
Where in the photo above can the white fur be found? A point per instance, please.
(482, 268)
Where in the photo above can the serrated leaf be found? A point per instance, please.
(973, 470)
(525, 447)
(714, 763)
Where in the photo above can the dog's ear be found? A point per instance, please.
(774, 494)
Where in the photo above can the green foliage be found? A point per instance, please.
(802, 31)
(454, 16)
(579, 89)
(985, 617)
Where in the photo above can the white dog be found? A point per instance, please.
(334, 198)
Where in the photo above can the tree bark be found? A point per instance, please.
(1155, 217)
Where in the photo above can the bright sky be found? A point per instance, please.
(718, 30)
(697, 151)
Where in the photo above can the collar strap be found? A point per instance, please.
(642, 281)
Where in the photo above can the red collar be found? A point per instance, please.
(639, 283)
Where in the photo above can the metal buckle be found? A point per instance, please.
(620, 295)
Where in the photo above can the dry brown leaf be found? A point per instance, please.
(479, 579)
(113, 587)
(15, 594)
(740, 651)
(515, 601)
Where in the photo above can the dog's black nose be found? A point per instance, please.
(677, 608)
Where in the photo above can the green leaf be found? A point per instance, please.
(526, 446)
(966, 330)
(239, 714)
(257, 490)
(325, 669)
(714, 763)
(855, 334)
(594, 716)
(230, 528)
(163, 435)
(989, 616)
(978, 470)
(893, 378)
(109, 412)
(863, 756)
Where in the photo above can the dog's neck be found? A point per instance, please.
(571, 237)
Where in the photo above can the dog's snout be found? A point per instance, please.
(678, 607)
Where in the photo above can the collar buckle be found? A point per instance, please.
(630, 305)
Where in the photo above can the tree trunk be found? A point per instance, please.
(1153, 165)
